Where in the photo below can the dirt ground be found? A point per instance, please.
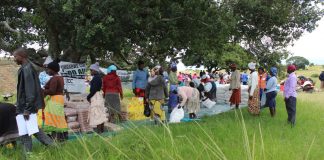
(8, 74)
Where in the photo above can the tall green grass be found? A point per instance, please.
(232, 135)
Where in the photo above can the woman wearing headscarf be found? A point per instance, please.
(190, 99)
(97, 113)
(235, 86)
(210, 87)
(291, 94)
(113, 93)
(156, 92)
(55, 122)
(271, 91)
(254, 97)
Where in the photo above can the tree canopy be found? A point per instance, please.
(121, 31)
(299, 61)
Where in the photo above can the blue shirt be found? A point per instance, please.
(140, 79)
(43, 78)
(245, 77)
(271, 84)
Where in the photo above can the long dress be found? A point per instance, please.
(254, 102)
(54, 106)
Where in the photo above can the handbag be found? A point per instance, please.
(147, 110)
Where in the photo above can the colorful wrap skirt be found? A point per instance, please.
(53, 117)
(254, 103)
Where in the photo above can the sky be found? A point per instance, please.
(311, 45)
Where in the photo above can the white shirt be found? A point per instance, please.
(253, 82)
(208, 86)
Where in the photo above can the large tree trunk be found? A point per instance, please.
(52, 34)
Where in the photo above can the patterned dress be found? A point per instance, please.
(254, 103)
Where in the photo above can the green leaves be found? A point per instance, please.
(124, 31)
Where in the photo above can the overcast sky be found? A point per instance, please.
(311, 45)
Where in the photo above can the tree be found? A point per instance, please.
(123, 31)
(300, 62)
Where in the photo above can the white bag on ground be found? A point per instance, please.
(208, 103)
(176, 115)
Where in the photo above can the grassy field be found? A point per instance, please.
(232, 135)
(312, 71)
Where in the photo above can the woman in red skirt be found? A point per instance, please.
(235, 86)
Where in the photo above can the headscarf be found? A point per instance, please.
(252, 65)
(291, 68)
(274, 71)
(173, 66)
(233, 65)
(111, 68)
(95, 67)
(54, 66)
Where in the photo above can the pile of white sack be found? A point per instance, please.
(223, 94)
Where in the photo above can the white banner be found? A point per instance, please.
(74, 76)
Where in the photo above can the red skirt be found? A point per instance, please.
(236, 96)
(139, 92)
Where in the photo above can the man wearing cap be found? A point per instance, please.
(291, 94)
(235, 86)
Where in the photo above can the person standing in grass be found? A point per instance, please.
(55, 122)
(271, 91)
(254, 97)
(140, 77)
(235, 86)
(291, 94)
(113, 94)
(321, 78)
(97, 113)
(173, 80)
(156, 92)
(29, 98)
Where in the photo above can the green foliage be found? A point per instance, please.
(123, 31)
(315, 75)
(300, 62)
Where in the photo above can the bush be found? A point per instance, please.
(315, 75)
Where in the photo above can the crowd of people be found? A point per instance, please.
(43, 94)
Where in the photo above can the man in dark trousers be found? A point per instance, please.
(29, 98)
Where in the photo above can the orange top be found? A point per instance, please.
(263, 80)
